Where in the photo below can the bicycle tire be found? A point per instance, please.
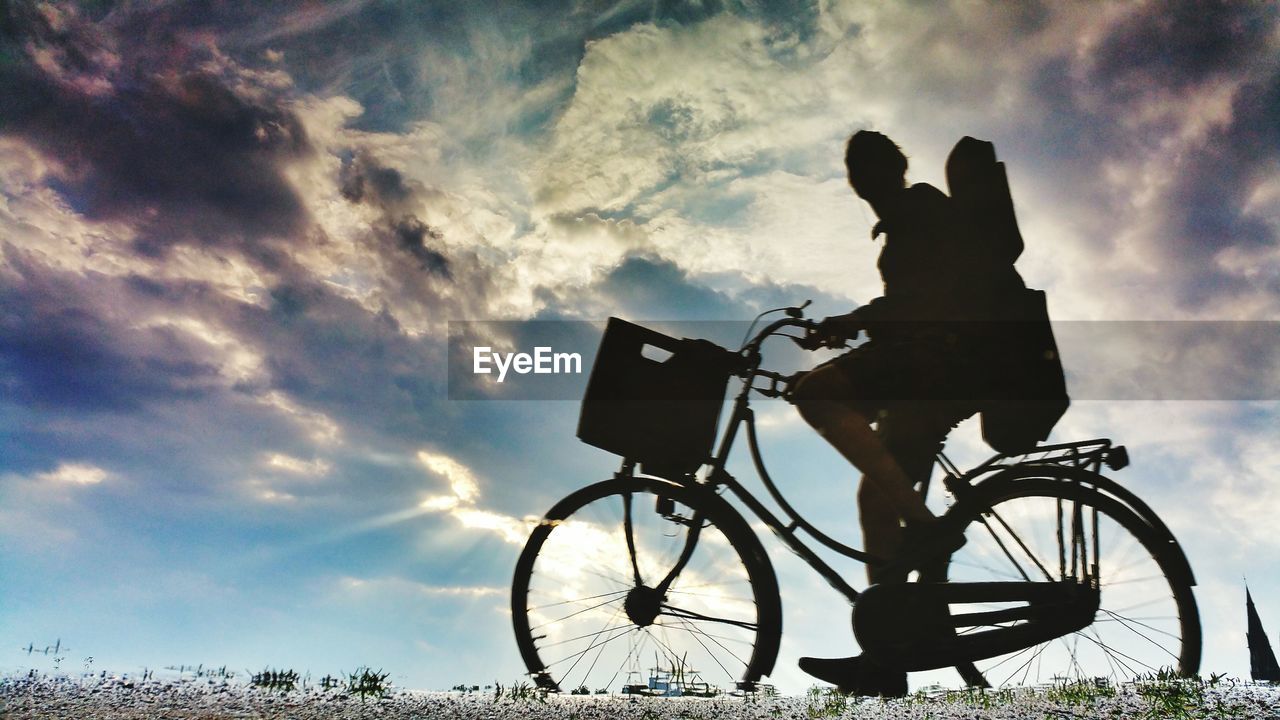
(1016, 507)
(574, 558)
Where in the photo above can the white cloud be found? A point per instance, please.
(402, 586)
(71, 473)
(296, 466)
(463, 501)
(653, 103)
(462, 483)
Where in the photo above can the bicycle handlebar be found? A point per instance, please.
(813, 339)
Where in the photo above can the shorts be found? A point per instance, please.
(915, 391)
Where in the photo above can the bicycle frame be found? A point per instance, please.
(719, 477)
(1089, 454)
(785, 531)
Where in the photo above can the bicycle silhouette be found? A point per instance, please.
(1066, 575)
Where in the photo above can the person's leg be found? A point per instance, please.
(881, 531)
(827, 401)
(913, 433)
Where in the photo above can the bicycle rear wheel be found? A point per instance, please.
(590, 614)
(1047, 526)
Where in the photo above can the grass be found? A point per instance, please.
(368, 683)
(519, 692)
(1162, 694)
(282, 680)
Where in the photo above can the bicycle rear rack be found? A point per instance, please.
(1084, 454)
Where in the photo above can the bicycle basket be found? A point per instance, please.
(654, 398)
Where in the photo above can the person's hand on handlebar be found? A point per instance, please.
(831, 332)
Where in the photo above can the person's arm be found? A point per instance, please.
(859, 319)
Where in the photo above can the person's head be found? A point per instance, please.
(875, 164)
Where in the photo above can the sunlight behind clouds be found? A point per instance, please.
(462, 504)
(461, 481)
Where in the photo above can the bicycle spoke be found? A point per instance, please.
(704, 632)
(601, 645)
(675, 612)
(985, 568)
(578, 600)
(574, 614)
(1112, 651)
(725, 598)
(1071, 651)
(623, 631)
(1115, 674)
(713, 584)
(1129, 626)
(713, 656)
(584, 636)
(1038, 649)
(1011, 657)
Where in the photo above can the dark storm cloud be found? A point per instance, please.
(648, 288)
(416, 237)
(1207, 205)
(1146, 99)
(651, 288)
(59, 348)
(160, 128)
(1155, 57)
(334, 355)
(364, 180)
(1177, 45)
(79, 344)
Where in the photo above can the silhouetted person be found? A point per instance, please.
(913, 378)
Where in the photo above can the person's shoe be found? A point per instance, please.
(928, 547)
(857, 676)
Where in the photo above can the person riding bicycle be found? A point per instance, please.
(918, 376)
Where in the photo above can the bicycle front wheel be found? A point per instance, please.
(1048, 526)
(591, 614)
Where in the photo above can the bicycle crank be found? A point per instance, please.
(911, 626)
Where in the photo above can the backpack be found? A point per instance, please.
(979, 190)
(1023, 388)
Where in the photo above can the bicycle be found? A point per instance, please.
(1065, 575)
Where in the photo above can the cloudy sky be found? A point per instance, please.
(232, 236)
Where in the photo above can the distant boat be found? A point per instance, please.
(1262, 660)
(679, 680)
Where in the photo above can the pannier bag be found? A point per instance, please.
(1026, 389)
(655, 399)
